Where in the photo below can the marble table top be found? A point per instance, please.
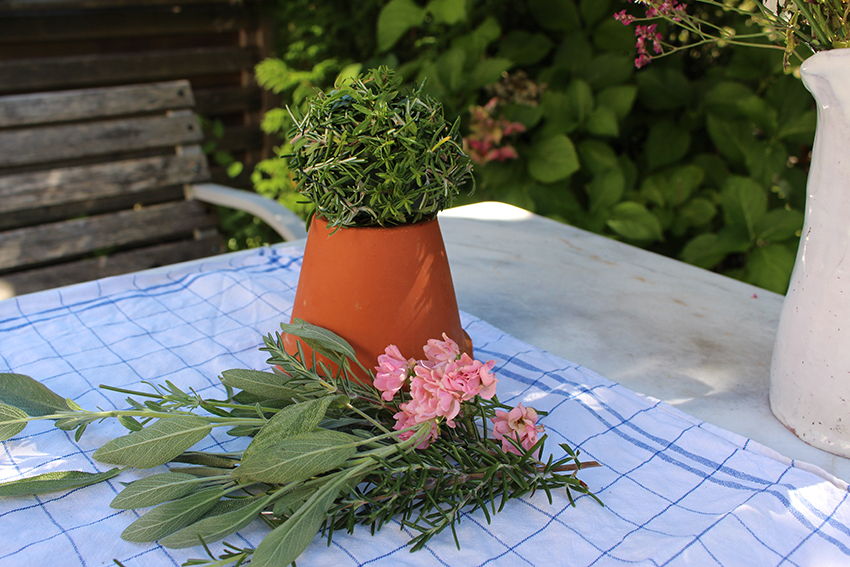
(697, 340)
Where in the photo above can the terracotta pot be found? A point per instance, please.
(378, 286)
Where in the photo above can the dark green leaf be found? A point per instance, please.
(799, 129)
(708, 250)
(744, 203)
(486, 72)
(770, 267)
(451, 66)
(673, 186)
(53, 481)
(30, 395)
(620, 99)
(560, 15)
(395, 19)
(596, 156)
(603, 122)
(559, 114)
(447, 11)
(779, 224)
(766, 160)
(606, 189)
(594, 10)
(666, 144)
(695, 213)
(552, 159)
(156, 444)
(634, 222)
(524, 48)
(608, 69)
(663, 88)
(731, 137)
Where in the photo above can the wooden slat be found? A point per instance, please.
(112, 265)
(223, 100)
(135, 21)
(46, 144)
(66, 106)
(12, 5)
(40, 189)
(243, 138)
(22, 75)
(58, 213)
(46, 243)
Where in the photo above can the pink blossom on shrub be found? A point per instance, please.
(520, 424)
(487, 139)
(647, 34)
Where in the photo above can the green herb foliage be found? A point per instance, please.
(368, 154)
(323, 457)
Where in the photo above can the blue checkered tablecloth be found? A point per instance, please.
(677, 491)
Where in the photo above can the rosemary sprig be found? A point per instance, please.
(324, 456)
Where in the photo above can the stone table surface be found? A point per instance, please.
(700, 341)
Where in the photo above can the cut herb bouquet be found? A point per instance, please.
(423, 443)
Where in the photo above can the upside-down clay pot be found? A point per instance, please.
(378, 286)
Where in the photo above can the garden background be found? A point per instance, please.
(701, 155)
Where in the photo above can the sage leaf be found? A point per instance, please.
(265, 384)
(12, 421)
(167, 518)
(286, 542)
(288, 422)
(156, 444)
(206, 459)
(217, 525)
(54, 481)
(287, 504)
(155, 489)
(298, 457)
(130, 423)
(30, 395)
(314, 335)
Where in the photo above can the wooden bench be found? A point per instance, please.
(105, 181)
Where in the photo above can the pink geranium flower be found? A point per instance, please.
(438, 385)
(441, 351)
(520, 424)
(392, 372)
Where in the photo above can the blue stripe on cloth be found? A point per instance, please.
(676, 493)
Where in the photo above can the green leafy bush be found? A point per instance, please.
(700, 156)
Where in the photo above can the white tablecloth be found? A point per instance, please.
(677, 491)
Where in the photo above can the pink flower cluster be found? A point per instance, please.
(487, 140)
(438, 385)
(520, 424)
(647, 34)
